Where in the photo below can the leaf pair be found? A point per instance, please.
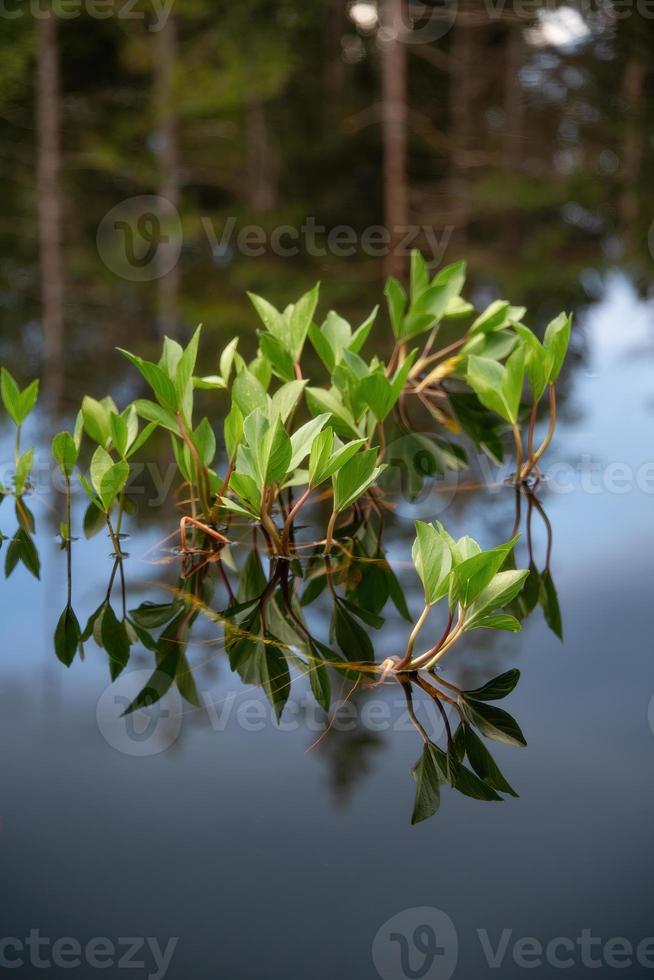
(18, 404)
(430, 301)
(336, 336)
(499, 386)
(290, 327)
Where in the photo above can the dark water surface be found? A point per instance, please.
(264, 859)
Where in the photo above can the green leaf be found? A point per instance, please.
(300, 321)
(65, 452)
(162, 386)
(538, 361)
(469, 784)
(184, 371)
(433, 560)
(271, 318)
(24, 516)
(119, 433)
(270, 446)
(360, 335)
(114, 640)
(280, 360)
(351, 637)
(502, 589)
(496, 689)
(305, 437)
(555, 342)
(428, 792)
(496, 621)
(285, 399)
(471, 576)
(320, 401)
(23, 470)
(151, 615)
(484, 765)
(204, 441)
(514, 379)
(320, 683)
(96, 420)
(493, 318)
(113, 483)
(22, 548)
(275, 676)
(354, 478)
(492, 722)
(396, 299)
(550, 603)
(245, 487)
(233, 430)
(18, 405)
(67, 636)
(94, 520)
(152, 412)
(248, 393)
(487, 380)
(377, 392)
(419, 274)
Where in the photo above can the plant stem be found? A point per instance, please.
(532, 426)
(291, 517)
(269, 527)
(200, 470)
(69, 545)
(329, 536)
(518, 451)
(548, 438)
(17, 446)
(119, 560)
(412, 638)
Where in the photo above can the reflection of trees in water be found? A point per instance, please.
(536, 156)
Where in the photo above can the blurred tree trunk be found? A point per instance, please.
(49, 205)
(632, 151)
(465, 69)
(166, 55)
(394, 130)
(514, 127)
(334, 66)
(263, 160)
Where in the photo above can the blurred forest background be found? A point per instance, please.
(519, 134)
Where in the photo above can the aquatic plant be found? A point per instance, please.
(282, 434)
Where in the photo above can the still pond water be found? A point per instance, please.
(261, 858)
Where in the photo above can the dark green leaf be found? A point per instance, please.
(67, 636)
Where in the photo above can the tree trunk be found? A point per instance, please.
(514, 130)
(394, 131)
(166, 53)
(628, 205)
(263, 160)
(462, 90)
(48, 124)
